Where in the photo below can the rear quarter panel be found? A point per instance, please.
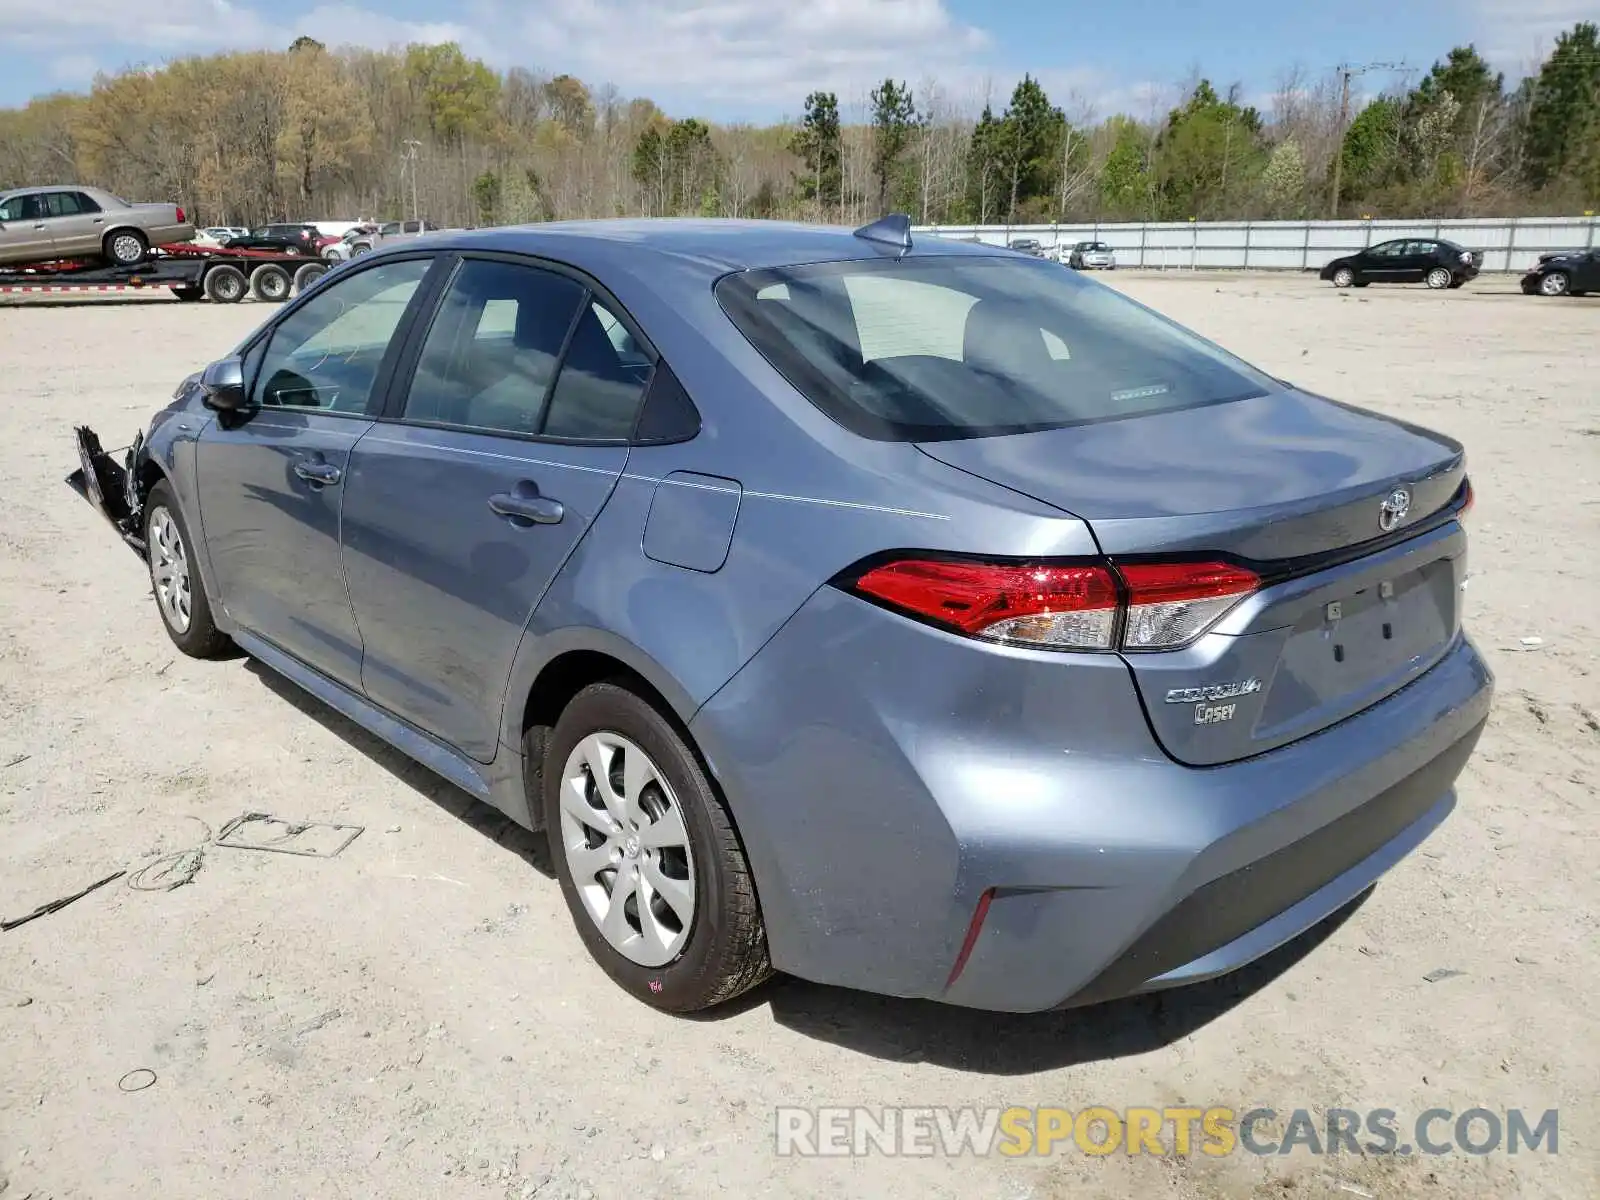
(815, 499)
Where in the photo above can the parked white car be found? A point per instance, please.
(1092, 256)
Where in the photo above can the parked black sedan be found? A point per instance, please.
(286, 239)
(1569, 273)
(1437, 263)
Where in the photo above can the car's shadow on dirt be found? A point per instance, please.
(491, 823)
(882, 1026)
(1023, 1044)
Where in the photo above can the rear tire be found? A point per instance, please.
(1438, 279)
(226, 285)
(307, 275)
(270, 283)
(1557, 283)
(720, 951)
(125, 247)
(175, 578)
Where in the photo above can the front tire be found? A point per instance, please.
(1343, 277)
(1438, 279)
(175, 578)
(649, 863)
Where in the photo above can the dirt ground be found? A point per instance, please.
(416, 1017)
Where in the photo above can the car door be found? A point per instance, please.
(499, 446)
(75, 223)
(1419, 258)
(24, 229)
(1384, 262)
(1586, 275)
(271, 483)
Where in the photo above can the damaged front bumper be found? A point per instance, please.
(110, 487)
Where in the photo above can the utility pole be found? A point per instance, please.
(412, 145)
(1347, 71)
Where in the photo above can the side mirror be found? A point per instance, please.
(222, 385)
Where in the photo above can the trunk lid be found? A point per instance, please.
(1294, 485)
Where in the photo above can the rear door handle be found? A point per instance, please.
(541, 510)
(318, 472)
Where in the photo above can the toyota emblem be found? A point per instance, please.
(1395, 507)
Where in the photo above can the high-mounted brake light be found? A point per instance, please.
(1039, 604)
(1171, 604)
(1062, 606)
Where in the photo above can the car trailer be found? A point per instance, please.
(191, 272)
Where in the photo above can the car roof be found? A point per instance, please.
(54, 187)
(713, 246)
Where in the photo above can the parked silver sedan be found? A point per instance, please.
(71, 221)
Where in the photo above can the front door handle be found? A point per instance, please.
(318, 472)
(541, 510)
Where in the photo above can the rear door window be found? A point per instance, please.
(491, 354)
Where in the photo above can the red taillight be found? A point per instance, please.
(1171, 604)
(1466, 500)
(181, 217)
(1065, 606)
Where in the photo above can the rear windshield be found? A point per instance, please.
(929, 349)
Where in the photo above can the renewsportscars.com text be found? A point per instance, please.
(1214, 1131)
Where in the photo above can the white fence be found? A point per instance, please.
(1508, 244)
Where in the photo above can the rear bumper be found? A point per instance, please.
(885, 777)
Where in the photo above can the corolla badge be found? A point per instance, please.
(1216, 691)
(1394, 509)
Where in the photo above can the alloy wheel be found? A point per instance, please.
(1553, 284)
(169, 570)
(1438, 278)
(626, 846)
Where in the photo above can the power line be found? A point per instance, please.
(1348, 71)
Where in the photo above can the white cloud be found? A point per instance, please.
(753, 52)
(196, 26)
(751, 58)
(347, 25)
(72, 69)
(1516, 35)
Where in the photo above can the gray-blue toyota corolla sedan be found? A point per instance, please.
(899, 613)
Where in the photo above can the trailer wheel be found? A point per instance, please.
(226, 285)
(307, 275)
(125, 247)
(189, 294)
(270, 282)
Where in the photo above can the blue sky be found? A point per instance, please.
(756, 59)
